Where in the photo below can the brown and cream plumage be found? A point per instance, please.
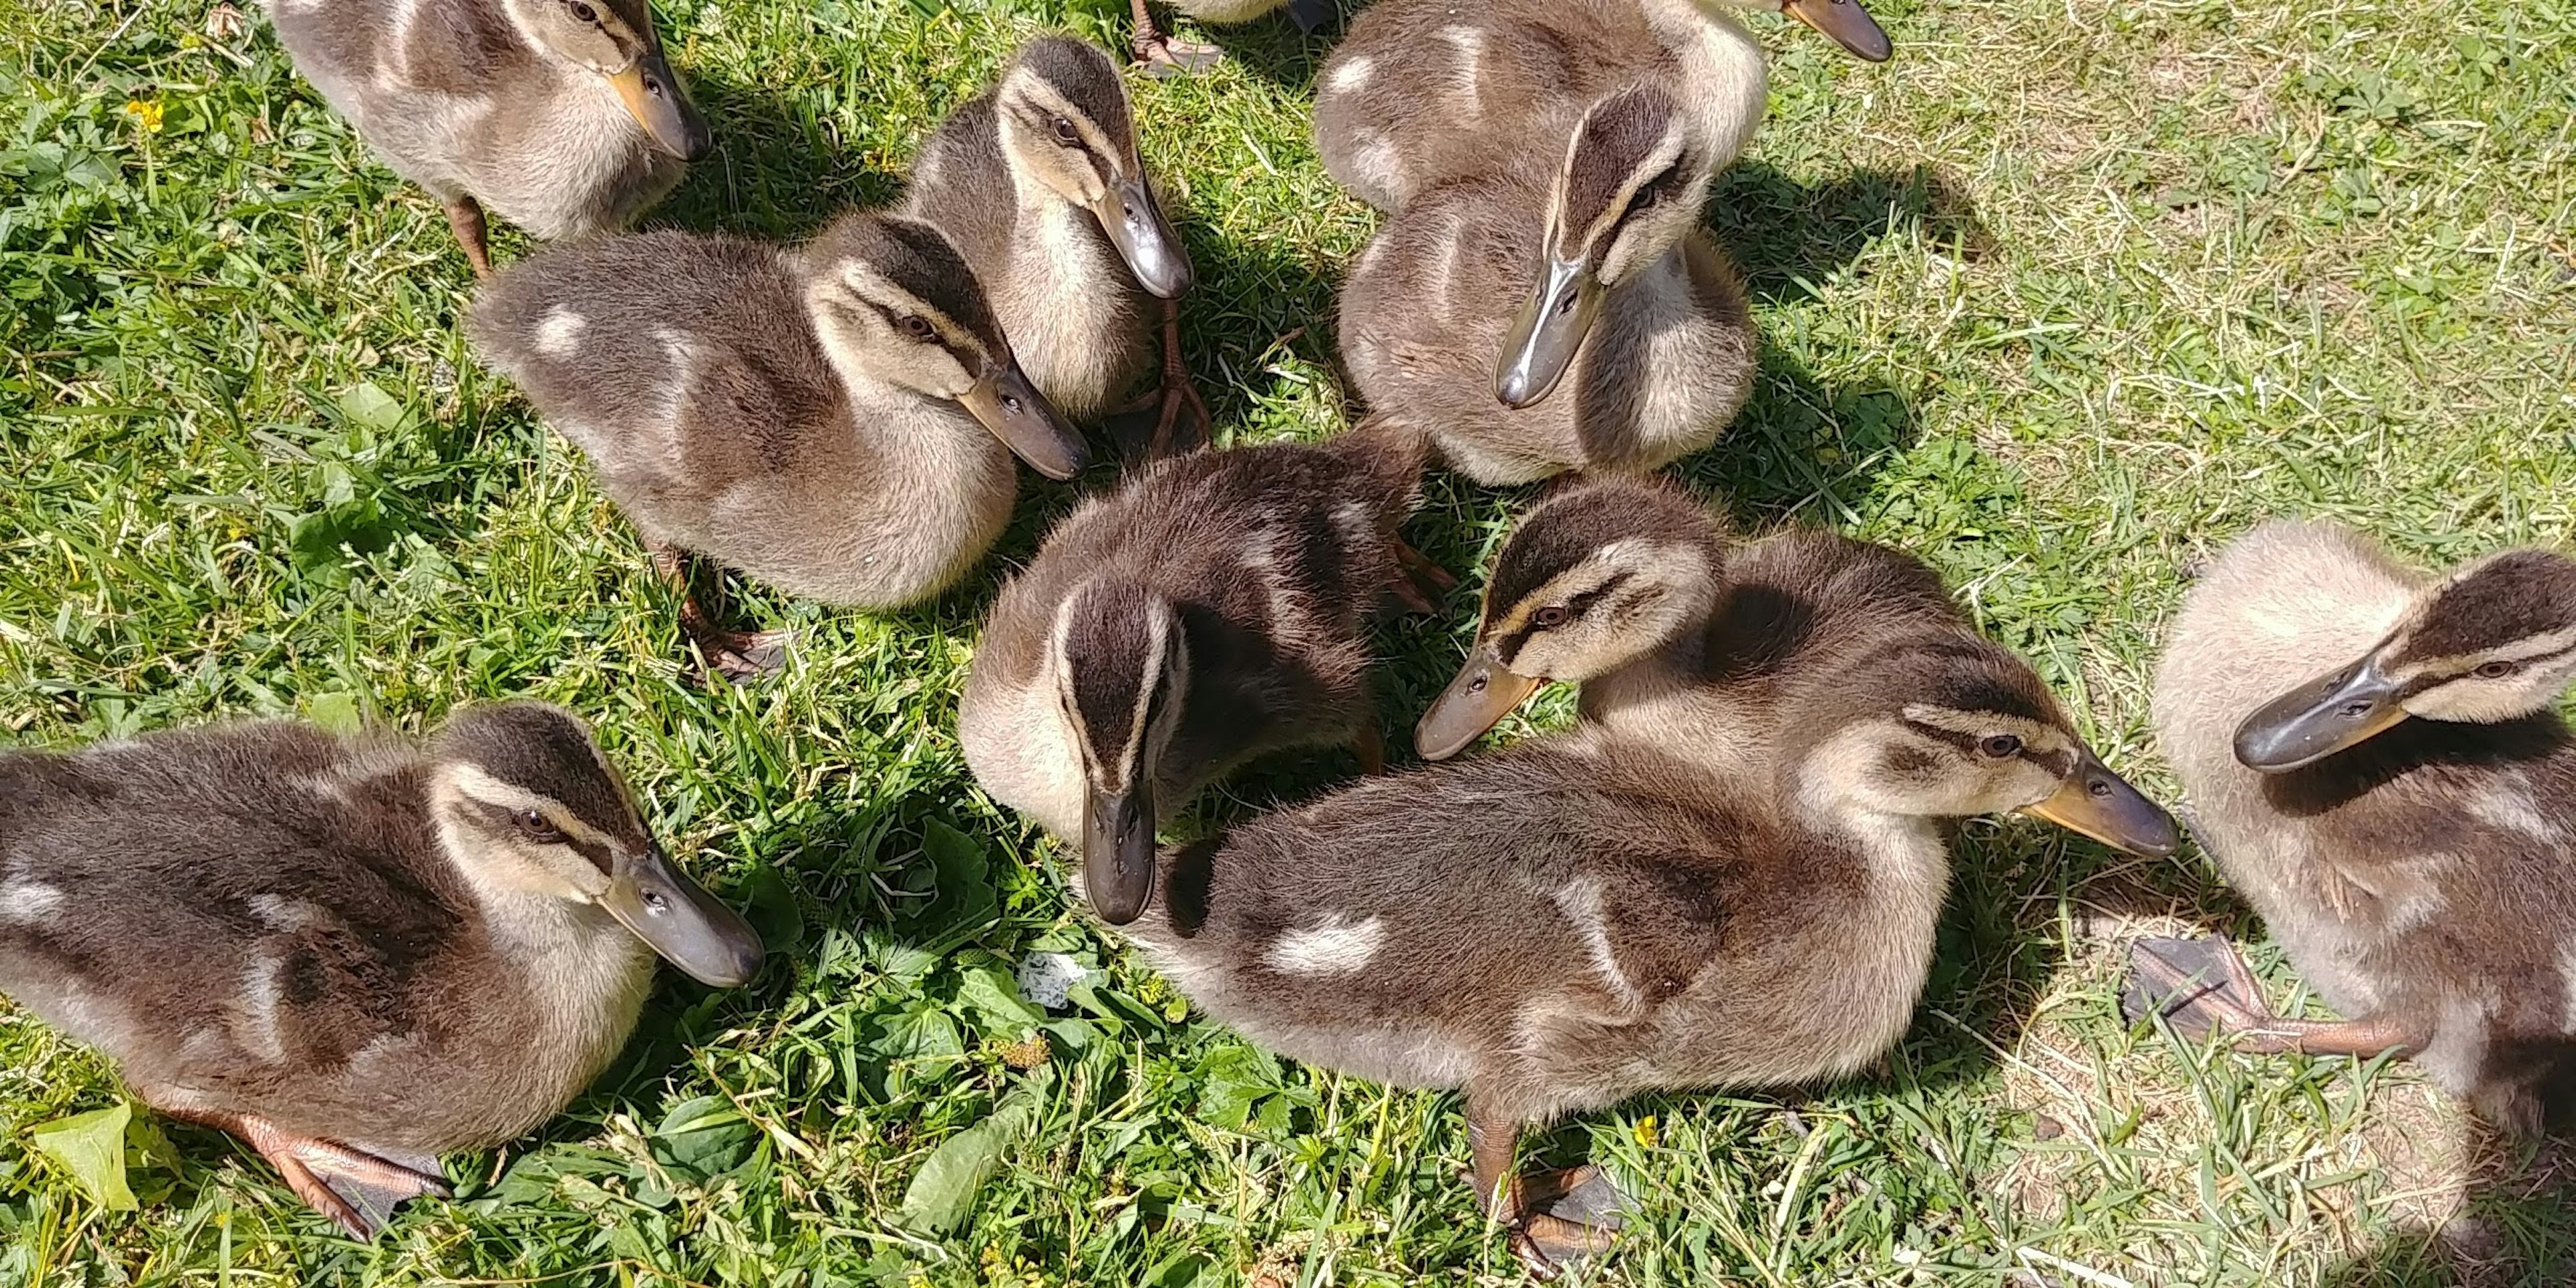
(2375, 759)
(353, 953)
(1207, 612)
(837, 420)
(562, 116)
(1571, 318)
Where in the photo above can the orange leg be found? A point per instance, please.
(354, 1188)
(465, 217)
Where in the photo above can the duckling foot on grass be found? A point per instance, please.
(1165, 57)
(1170, 421)
(356, 1188)
(1418, 583)
(2202, 986)
(465, 218)
(736, 656)
(1557, 1219)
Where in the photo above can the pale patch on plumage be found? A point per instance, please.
(1353, 73)
(1375, 161)
(263, 989)
(2456, 1056)
(280, 913)
(2508, 806)
(1337, 947)
(558, 334)
(1580, 901)
(2567, 983)
(1158, 636)
(28, 902)
(393, 71)
(1466, 78)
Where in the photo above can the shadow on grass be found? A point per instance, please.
(1786, 235)
(2515, 1227)
(776, 172)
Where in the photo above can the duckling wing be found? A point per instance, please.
(213, 909)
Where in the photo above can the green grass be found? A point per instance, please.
(2061, 298)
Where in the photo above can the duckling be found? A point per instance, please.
(1071, 259)
(1622, 298)
(1208, 612)
(351, 953)
(1424, 90)
(2373, 757)
(1584, 917)
(561, 115)
(837, 420)
(1164, 56)
(1624, 586)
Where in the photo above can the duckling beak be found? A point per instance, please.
(1134, 221)
(678, 919)
(1846, 24)
(2315, 720)
(1025, 421)
(1118, 851)
(2102, 805)
(1547, 331)
(1484, 692)
(654, 98)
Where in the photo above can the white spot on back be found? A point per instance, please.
(1470, 44)
(1352, 74)
(1337, 947)
(559, 332)
(1580, 901)
(2502, 807)
(28, 902)
(263, 987)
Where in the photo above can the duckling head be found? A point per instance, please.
(1954, 726)
(1065, 124)
(1601, 574)
(1633, 181)
(1844, 22)
(895, 304)
(528, 808)
(1122, 673)
(615, 40)
(2494, 641)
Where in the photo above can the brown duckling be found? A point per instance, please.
(1580, 918)
(1079, 260)
(1209, 611)
(1621, 300)
(837, 420)
(1426, 90)
(351, 953)
(2375, 759)
(561, 115)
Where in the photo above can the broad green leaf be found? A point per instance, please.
(90, 1149)
(371, 406)
(336, 712)
(942, 1193)
(990, 995)
(958, 860)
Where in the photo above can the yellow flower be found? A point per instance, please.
(146, 113)
(1646, 1133)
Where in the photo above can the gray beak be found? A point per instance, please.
(2319, 718)
(680, 920)
(1482, 694)
(1026, 422)
(1118, 852)
(2102, 805)
(654, 98)
(1144, 238)
(1547, 331)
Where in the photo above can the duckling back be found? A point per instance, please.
(687, 369)
(257, 918)
(2423, 876)
(1427, 308)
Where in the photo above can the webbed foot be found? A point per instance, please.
(1568, 1217)
(358, 1189)
(2202, 986)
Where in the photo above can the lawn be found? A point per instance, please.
(2061, 298)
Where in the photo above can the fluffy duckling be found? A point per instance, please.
(1581, 918)
(1208, 612)
(561, 115)
(1424, 90)
(353, 954)
(1622, 585)
(1621, 299)
(1080, 253)
(837, 420)
(2374, 758)
(1164, 56)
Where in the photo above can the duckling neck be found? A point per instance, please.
(1906, 861)
(1724, 80)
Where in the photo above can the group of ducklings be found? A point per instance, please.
(357, 954)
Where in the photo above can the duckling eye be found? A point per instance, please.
(584, 12)
(2000, 746)
(2495, 670)
(1066, 134)
(533, 822)
(1551, 617)
(918, 327)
